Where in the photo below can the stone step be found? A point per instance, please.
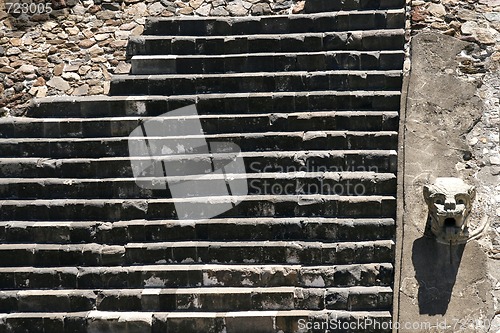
(86, 247)
(199, 322)
(267, 62)
(249, 206)
(379, 161)
(254, 82)
(157, 145)
(23, 127)
(215, 104)
(196, 275)
(315, 6)
(226, 252)
(230, 229)
(368, 40)
(345, 20)
(343, 183)
(198, 299)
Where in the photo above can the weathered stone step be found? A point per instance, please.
(249, 206)
(278, 24)
(380, 161)
(196, 275)
(331, 253)
(370, 40)
(190, 84)
(267, 62)
(22, 127)
(216, 104)
(199, 322)
(230, 229)
(234, 252)
(247, 142)
(199, 299)
(315, 6)
(343, 183)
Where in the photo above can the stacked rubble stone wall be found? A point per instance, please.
(69, 47)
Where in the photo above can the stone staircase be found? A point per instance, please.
(311, 100)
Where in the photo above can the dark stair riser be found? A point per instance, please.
(130, 188)
(282, 103)
(355, 207)
(165, 301)
(314, 253)
(315, 42)
(288, 229)
(119, 147)
(182, 85)
(315, 6)
(121, 167)
(322, 22)
(210, 322)
(230, 276)
(109, 127)
(265, 62)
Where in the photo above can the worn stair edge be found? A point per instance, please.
(201, 207)
(224, 252)
(251, 82)
(15, 127)
(267, 62)
(201, 322)
(255, 103)
(359, 40)
(314, 6)
(168, 145)
(198, 299)
(197, 275)
(379, 161)
(344, 183)
(297, 23)
(243, 229)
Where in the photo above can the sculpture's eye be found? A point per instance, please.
(461, 199)
(439, 201)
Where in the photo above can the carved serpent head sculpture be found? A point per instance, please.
(450, 202)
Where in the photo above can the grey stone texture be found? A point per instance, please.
(313, 109)
(438, 284)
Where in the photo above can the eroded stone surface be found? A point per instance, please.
(478, 22)
(443, 107)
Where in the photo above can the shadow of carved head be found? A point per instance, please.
(450, 202)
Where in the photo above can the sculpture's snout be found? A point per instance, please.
(450, 204)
